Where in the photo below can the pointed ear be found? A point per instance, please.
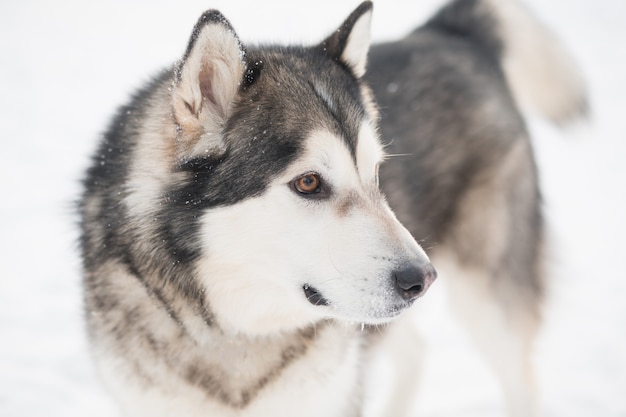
(351, 42)
(206, 83)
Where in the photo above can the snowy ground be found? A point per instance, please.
(66, 65)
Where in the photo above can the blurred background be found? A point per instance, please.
(66, 65)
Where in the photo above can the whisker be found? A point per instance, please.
(332, 262)
(395, 155)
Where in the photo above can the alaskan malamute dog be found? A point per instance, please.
(235, 238)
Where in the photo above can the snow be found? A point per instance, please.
(67, 65)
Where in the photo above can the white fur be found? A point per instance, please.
(202, 99)
(348, 257)
(541, 73)
(145, 183)
(200, 118)
(369, 153)
(357, 47)
(216, 49)
(301, 391)
(403, 346)
(505, 342)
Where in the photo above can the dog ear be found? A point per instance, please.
(350, 43)
(206, 83)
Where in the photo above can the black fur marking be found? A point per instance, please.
(264, 134)
(105, 178)
(347, 131)
(109, 234)
(443, 76)
(341, 101)
(251, 74)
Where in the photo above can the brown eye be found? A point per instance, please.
(308, 183)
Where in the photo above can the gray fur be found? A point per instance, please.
(445, 156)
(465, 183)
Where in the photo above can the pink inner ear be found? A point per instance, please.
(206, 79)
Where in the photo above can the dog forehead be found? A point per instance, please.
(328, 151)
(302, 89)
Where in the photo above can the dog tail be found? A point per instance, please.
(541, 73)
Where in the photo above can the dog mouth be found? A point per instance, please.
(314, 296)
(377, 313)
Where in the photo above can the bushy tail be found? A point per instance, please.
(541, 73)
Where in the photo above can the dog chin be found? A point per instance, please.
(374, 314)
(379, 318)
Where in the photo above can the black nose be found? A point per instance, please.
(412, 281)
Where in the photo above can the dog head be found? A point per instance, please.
(279, 152)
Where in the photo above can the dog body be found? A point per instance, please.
(235, 240)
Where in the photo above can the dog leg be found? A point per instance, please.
(403, 346)
(504, 336)
(494, 277)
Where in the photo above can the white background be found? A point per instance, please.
(65, 66)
